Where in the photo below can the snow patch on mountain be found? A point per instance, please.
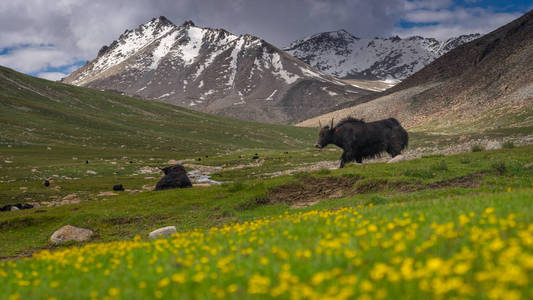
(343, 55)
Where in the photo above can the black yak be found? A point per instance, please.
(118, 187)
(175, 177)
(361, 140)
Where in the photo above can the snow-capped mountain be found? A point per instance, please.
(343, 55)
(214, 71)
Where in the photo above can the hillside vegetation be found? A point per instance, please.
(454, 226)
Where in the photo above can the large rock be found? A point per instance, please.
(70, 233)
(162, 232)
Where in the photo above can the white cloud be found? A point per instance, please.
(54, 76)
(78, 28)
(454, 21)
(32, 59)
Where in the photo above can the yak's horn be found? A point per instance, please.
(331, 122)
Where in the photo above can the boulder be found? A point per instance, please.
(70, 233)
(162, 232)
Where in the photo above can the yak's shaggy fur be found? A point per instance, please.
(361, 140)
(175, 177)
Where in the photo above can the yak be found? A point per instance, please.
(175, 177)
(361, 140)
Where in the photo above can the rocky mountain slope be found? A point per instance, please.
(214, 71)
(343, 55)
(485, 84)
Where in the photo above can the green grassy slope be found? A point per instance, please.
(41, 112)
(48, 128)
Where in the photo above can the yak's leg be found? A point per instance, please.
(342, 161)
(359, 159)
(347, 156)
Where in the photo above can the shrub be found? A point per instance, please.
(465, 160)
(236, 186)
(302, 174)
(420, 173)
(440, 166)
(477, 148)
(324, 171)
(499, 167)
(508, 145)
(254, 202)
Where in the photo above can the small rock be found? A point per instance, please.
(493, 145)
(91, 172)
(107, 194)
(70, 233)
(70, 196)
(528, 166)
(397, 158)
(13, 208)
(162, 232)
(172, 162)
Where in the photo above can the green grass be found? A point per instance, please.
(125, 216)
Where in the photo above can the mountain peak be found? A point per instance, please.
(188, 23)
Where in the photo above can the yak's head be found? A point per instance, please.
(325, 136)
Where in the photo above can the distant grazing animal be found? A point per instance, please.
(255, 156)
(18, 205)
(118, 187)
(46, 183)
(86, 162)
(361, 140)
(175, 177)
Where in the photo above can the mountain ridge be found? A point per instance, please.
(214, 71)
(341, 54)
(486, 83)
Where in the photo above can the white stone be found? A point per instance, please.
(91, 172)
(70, 233)
(162, 232)
(14, 208)
(397, 158)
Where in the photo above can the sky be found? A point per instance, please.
(52, 38)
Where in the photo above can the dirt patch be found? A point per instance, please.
(309, 191)
(467, 181)
(377, 185)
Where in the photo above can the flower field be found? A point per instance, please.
(463, 247)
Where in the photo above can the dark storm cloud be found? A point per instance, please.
(49, 34)
(281, 22)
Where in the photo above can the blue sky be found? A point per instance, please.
(50, 39)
